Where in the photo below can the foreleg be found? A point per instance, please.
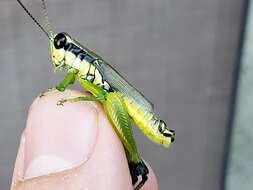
(68, 80)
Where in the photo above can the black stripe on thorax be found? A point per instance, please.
(73, 49)
(82, 55)
(78, 52)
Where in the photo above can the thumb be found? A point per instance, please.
(70, 147)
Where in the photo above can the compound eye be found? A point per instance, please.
(60, 40)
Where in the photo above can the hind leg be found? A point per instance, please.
(116, 112)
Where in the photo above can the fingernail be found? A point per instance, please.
(58, 137)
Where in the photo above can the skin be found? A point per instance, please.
(99, 161)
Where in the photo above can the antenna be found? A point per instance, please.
(47, 18)
(31, 16)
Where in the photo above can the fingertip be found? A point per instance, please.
(151, 183)
(48, 139)
(58, 137)
(106, 167)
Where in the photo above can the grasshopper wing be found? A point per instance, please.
(118, 83)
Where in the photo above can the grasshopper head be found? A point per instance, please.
(58, 52)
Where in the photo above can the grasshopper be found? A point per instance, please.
(121, 101)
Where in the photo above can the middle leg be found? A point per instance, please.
(79, 99)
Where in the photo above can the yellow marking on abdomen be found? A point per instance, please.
(146, 121)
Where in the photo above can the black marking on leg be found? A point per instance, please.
(134, 179)
(144, 179)
(138, 169)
